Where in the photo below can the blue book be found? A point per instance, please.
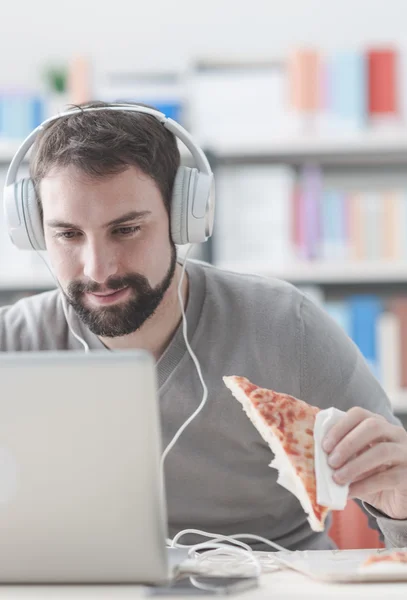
(333, 225)
(37, 111)
(365, 311)
(349, 88)
(15, 116)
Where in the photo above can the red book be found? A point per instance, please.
(382, 82)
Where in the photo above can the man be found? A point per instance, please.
(104, 183)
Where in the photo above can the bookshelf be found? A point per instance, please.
(377, 151)
(358, 165)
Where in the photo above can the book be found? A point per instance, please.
(365, 310)
(389, 351)
(373, 225)
(398, 306)
(311, 183)
(348, 96)
(383, 82)
(393, 225)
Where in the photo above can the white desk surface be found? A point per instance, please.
(287, 585)
(276, 582)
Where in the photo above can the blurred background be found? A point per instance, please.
(301, 107)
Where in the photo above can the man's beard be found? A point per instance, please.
(122, 318)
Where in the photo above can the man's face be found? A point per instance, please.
(108, 241)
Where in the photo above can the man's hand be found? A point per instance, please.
(370, 454)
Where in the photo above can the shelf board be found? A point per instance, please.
(372, 147)
(323, 272)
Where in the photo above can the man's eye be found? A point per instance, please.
(129, 230)
(67, 235)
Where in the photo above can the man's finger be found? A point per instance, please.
(379, 469)
(365, 435)
(387, 480)
(381, 455)
(352, 418)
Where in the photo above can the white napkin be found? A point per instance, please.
(329, 493)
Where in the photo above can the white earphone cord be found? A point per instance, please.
(235, 549)
(64, 307)
(198, 369)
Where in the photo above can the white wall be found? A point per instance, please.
(168, 33)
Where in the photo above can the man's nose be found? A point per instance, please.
(99, 263)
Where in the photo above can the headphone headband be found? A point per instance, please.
(199, 157)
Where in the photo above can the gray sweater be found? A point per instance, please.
(217, 475)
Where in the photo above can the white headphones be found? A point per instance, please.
(193, 196)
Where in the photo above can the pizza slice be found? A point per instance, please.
(393, 556)
(287, 425)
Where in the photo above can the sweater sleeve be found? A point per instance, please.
(334, 373)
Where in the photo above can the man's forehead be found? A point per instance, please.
(64, 181)
(70, 196)
(71, 175)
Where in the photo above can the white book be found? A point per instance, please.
(389, 352)
(146, 87)
(254, 217)
(403, 224)
(238, 105)
(395, 215)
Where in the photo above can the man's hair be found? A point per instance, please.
(102, 143)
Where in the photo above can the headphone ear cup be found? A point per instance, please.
(32, 215)
(180, 205)
(16, 201)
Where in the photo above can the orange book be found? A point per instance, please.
(79, 80)
(304, 80)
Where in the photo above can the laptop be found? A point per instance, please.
(80, 486)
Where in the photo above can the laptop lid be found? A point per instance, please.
(80, 488)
